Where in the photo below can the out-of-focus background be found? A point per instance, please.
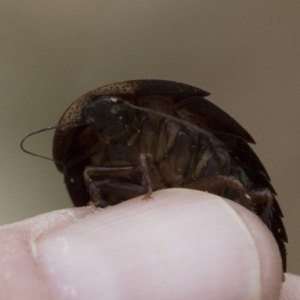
(246, 53)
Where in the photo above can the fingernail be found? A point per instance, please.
(182, 244)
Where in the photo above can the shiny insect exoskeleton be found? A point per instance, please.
(135, 137)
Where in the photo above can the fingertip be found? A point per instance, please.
(181, 244)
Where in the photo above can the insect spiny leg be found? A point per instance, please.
(146, 176)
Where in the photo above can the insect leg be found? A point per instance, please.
(222, 185)
(146, 177)
(268, 208)
(116, 191)
(265, 200)
(93, 173)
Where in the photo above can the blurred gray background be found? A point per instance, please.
(246, 53)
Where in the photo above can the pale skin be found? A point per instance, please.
(181, 244)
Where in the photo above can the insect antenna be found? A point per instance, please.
(76, 123)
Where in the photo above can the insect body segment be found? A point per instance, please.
(145, 135)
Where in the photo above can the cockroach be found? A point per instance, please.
(131, 138)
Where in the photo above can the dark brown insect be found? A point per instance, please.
(139, 136)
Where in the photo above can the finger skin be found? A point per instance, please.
(182, 244)
(20, 275)
(291, 288)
